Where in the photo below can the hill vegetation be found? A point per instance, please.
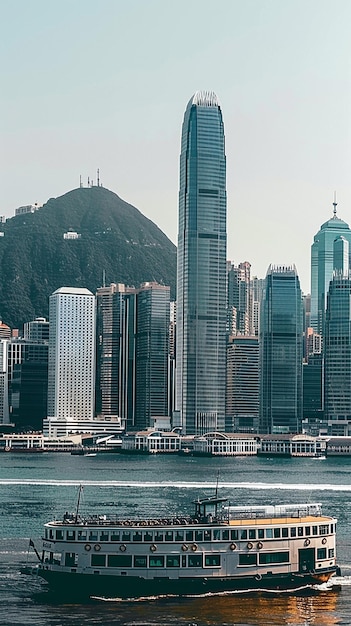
(116, 242)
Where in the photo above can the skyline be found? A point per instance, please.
(105, 88)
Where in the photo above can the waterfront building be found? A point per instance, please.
(201, 268)
(4, 384)
(29, 385)
(281, 344)
(337, 356)
(313, 395)
(242, 391)
(71, 373)
(292, 445)
(226, 444)
(323, 264)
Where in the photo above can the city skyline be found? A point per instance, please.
(74, 110)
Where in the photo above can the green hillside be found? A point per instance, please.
(117, 241)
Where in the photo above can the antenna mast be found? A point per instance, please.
(335, 204)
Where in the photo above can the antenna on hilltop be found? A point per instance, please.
(80, 181)
(104, 278)
(335, 204)
(98, 177)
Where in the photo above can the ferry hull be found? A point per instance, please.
(87, 585)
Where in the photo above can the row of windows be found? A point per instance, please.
(173, 560)
(208, 534)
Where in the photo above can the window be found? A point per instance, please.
(225, 535)
(119, 560)
(114, 536)
(321, 553)
(307, 531)
(158, 536)
(260, 533)
(71, 535)
(269, 533)
(285, 532)
(199, 535)
(243, 534)
(168, 536)
(156, 561)
(104, 536)
(125, 536)
(212, 560)
(293, 532)
(324, 529)
(173, 560)
(179, 536)
(140, 561)
(252, 533)
(331, 553)
(147, 536)
(98, 560)
(216, 534)
(195, 560)
(266, 558)
(315, 530)
(82, 535)
(137, 536)
(207, 535)
(70, 559)
(59, 534)
(189, 535)
(248, 559)
(300, 531)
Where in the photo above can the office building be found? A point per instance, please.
(281, 347)
(36, 330)
(242, 393)
(201, 269)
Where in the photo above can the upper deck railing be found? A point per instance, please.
(274, 511)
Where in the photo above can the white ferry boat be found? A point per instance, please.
(218, 548)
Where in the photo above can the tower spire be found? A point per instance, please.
(335, 204)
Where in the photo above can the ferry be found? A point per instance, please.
(219, 548)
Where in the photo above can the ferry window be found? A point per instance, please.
(125, 536)
(70, 559)
(179, 536)
(225, 535)
(293, 532)
(285, 532)
(331, 553)
(276, 533)
(147, 536)
(248, 559)
(207, 535)
(98, 560)
(59, 534)
(173, 560)
(269, 533)
(266, 558)
(234, 535)
(114, 536)
(307, 530)
(104, 536)
(140, 561)
(137, 536)
(212, 560)
(252, 533)
(195, 560)
(183, 560)
(300, 531)
(51, 534)
(243, 534)
(331, 528)
(169, 536)
(216, 534)
(156, 561)
(314, 530)
(199, 535)
(324, 529)
(260, 533)
(118, 560)
(158, 536)
(82, 535)
(321, 553)
(71, 535)
(93, 536)
(46, 533)
(189, 535)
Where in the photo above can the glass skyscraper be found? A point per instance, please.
(322, 266)
(281, 344)
(201, 270)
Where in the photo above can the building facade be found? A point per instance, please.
(201, 268)
(281, 349)
(243, 385)
(71, 363)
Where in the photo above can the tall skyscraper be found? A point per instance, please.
(281, 343)
(201, 269)
(322, 265)
(337, 356)
(71, 371)
(239, 299)
(242, 393)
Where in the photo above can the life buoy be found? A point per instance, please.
(122, 547)
(153, 548)
(259, 546)
(97, 547)
(184, 547)
(7, 449)
(233, 546)
(250, 545)
(87, 547)
(307, 542)
(194, 547)
(324, 540)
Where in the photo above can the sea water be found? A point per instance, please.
(36, 488)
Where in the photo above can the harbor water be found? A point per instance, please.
(35, 488)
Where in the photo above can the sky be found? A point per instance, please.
(104, 84)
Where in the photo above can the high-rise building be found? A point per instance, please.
(281, 348)
(201, 268)
(242, 393)
(239, 299)
(337, 356)
(323, 265)
(36, 330)
(71, 371)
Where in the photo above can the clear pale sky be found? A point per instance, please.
(104, 84)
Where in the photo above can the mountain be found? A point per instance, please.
(116, 241)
